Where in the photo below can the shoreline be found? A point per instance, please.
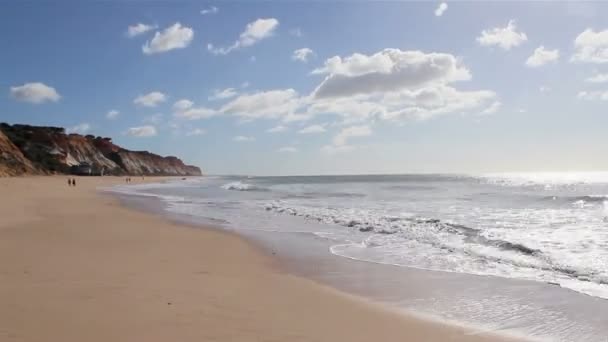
(76, 265)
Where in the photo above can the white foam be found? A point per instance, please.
(239, 186)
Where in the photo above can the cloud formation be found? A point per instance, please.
(173, 37)
(152, 99)
(254, 32)
(340, 141)
(112, 114)
(210, 10)
(277, 129)
(222, 94)
(266, 104)
(387, 71)
(591, 47)
(312, 129)
(542, 56)
(184, 109)
(597, 78)
(142, 131)
(35, 92)
(82, 128)
(302, 54)
(139, 29)
(441, 9)
(593, 95)
(503, 37)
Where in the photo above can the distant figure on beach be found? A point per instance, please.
(69, 182)
(73, 181)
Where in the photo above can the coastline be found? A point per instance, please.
(76, 265)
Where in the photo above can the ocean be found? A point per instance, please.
(519, 253)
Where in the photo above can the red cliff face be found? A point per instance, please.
(12, 161)
(30, 149)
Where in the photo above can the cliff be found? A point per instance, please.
(28, 149)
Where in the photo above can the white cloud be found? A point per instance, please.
(35, 93)
(504, 37)
(591, 47)
(183, 104)
(112, 114)
(152, 99)
(493, 108)
(266, 104)
(83, 128)
(441, 9)
(340, 141)
(288, 149)
(173, 37)
(222, 94)
(210, 10)
(312, 129)
(433, 101)
(593, 95)
(139, 29)
(142, 131)
(597, 78)
(302, 54)
(195, 132)
(350, 132)
(254, 32)
(277, 129)
(242, 138)
(184, 109)
(387, 71)
(544, 89)
(542, 56)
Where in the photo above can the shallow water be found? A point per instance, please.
(498, 240)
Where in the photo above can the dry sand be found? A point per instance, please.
(76, 266)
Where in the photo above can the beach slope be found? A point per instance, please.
(76, 266)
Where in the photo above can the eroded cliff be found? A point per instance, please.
(28, 149)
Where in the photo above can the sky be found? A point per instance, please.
(349, 87)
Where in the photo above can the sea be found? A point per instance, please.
(523, 254)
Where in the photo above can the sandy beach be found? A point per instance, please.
(76, 266)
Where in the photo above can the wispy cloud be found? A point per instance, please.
(312, 129)
(254, 32)
(302, 54)
(210, 10)
(82, 128)
(139, 29)
(222, 94)
(142, 131)
(152, 99)
(112, 114)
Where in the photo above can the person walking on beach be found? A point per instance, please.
(73, 181)
(69, 182)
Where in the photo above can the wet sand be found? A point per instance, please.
(77, 266)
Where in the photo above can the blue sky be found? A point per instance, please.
(321, 87)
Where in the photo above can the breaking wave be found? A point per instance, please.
(438, 245)
(240, 186)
